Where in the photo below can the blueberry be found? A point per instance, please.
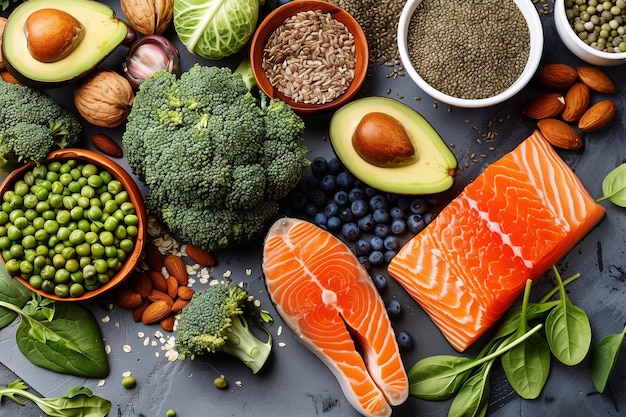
(415, 223)
(364, 260)
(366, 223)
(356, 194)
(359, 208)
(371, 192)
(319, 166)
(388, 255)
(317, 197)
(377, 201)
(391, 197)
(320, 219)
(381, 215)
(333, 223)
(404, 340)
(310, 209)
(428, 217)
(404, 203)
(331, 209)
(398, 226)
(345, 180)
(391, 242)
(380, 281)
(298, 200)
(362, 247)
(350, 231)
(394, 308)
(312, 183)
(377, 243)
(340, 198)
(419, 206)
(376, 257)
(345, 214)
(328, 184)
(396, 213)
(381, 230)
(335, 166)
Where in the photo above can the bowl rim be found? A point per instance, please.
(278, 15)
(535, 28)
(135, 195)
(561, 18)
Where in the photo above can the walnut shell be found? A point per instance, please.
(148, 17)
(104, 98)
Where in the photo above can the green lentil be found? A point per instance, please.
(601, 25)
(465, 52)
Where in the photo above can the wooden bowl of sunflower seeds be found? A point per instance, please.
(311, 54)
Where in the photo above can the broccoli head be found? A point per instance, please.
(215, 158)
(32, 125)
(216, 320)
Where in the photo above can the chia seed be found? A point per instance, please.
(464, 52)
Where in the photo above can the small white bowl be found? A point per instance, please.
(577, 46)
(536, 49)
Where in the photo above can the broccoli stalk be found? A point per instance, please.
(216, 320)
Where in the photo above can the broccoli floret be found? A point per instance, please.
(216, 320)
(215, 158)
(32, 124)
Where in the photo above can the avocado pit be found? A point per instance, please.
(52, 34)
(381, 140)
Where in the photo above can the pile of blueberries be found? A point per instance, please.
(373, 223)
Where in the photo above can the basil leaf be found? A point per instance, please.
(13, 292)
(603, 358)
(472, 399)
(614, 186)
(71, 343)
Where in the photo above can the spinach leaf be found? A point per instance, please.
(603, 358)
(614, 186)
(77, 402)
(528, 364)
(11, 291)
(473, 397)
(568, 329)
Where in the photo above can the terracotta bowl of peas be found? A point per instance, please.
(72, 227)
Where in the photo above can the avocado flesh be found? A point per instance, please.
(103, 33)
(431, 173)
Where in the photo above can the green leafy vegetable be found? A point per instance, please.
(77, 402)
(603, 358)
(11, 291)
(568, 329)
(614, 186)
(215, 29)
(4, 4)
(473, 397)
(527, 366)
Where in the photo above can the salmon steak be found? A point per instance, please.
(327, 298)
(519, 217)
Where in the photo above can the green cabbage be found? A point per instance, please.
(214, 29)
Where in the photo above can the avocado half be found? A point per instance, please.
(432, 172)
(103, 33)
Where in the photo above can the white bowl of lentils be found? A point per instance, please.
(593, 30)
(472, 57)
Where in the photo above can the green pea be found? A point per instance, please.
(21, 222)
(76, 290)
(77, 277)
(30, 201)
(61, 290)
(94, 213)
(72, 265)
(63, 217)
(66, 179)
(29, 230)
(95, 181)
(31, 214)
(74, 186)
(89, 271)
(121, 255)
(35, 281)
(57, 187)
(113, 264)
(103, 278)
(40, 171)
(110, 251)
(15, 214)
(68, 252)
(83, 202)
(106, 176)
(47, 285)
(51, 226)
(91, 237)
(49, 215)
(20, 188)
(42, 250)
(17, 251)
(63, 233)
(6, 254)
(110, 224)
(53, 241)
(3, 230)
(88, 191)
(42, 206)
(115, 187)
(69, 202)
(12, 266)
(105, 196)
(48, 272)
(84, 261)
(95, 202)
(82, 181)
(110, 206)
(61, 276)
(14, 233)
(30, 254)
(127, 208)
(132, 231)
(129, 382)
(5, 243)
(101, 266)
(58, 261)
(54, 166)
(40, 262)
(220, 382)
(46, 184)
(83, 250)
(26, 268)
(77, 213)
(170, 413)
(77, 237)
(4, 217)
(52, 176)
(75, 173)
(97, 250)
(56, 200)
(41, 235)
(29, 242)
(127, 245)
(6, 207)
(120, 232)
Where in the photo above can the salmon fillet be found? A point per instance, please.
(512, 223)
(326, 297)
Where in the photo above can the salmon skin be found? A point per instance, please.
(512, 223)
(327, 298)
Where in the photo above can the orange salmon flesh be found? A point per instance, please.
(519, 217)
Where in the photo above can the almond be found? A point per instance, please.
(179, 304)
(127, 299)
(167, 323)
(556, 76)
(597, 116)
(153, 257)
(138, 311)
(176, 267)
(185, 293)
(595, 79)
(200, 256)
(156, 295)
(172, 287)
(560, 134)
(141, 284)
(545, 106)
(156, 312)
(106, 145)
(577, 101)
(158, 280)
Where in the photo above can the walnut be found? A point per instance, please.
(104, 98)
(148, 17)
